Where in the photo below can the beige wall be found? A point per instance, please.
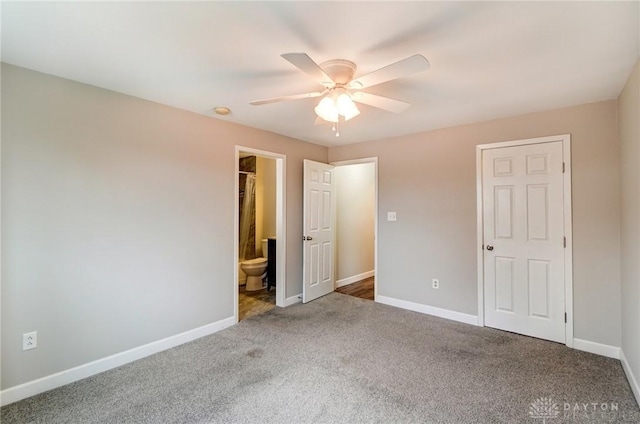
(429, 179)
(629, 120)
(265, 201)
(355, 213)
(117, 217)
(117, 220)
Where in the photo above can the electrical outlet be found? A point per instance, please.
(391, 216)
(30, 340)
(435, 283)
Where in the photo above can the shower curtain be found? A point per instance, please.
(248, 207)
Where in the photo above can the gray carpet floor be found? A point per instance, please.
(341, 359)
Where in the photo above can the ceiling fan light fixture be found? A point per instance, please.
(331, 107)
(326, 110)
(344, 103)
(351, 113)
(346, 107)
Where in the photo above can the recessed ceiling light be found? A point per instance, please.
(221, 110)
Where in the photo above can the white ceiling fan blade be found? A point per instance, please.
(408, 66)
(285, 98)
(303, 62)
(385, 103)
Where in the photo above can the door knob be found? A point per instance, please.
(489, 247)
(307, 238)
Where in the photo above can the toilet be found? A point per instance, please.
(256, 269)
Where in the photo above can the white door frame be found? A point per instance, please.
(373, 160)
(568, 251)
(281, 221)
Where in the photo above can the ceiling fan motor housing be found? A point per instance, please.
(341, 71)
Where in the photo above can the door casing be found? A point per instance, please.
(373, 160)
(568, 251)
(281, 221)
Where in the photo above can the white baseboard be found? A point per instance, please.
(429, 310)
(293, 300)
(31, 388)
(633, 381)
(354, 278)
(597, 348)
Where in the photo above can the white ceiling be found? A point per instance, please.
(488, 60)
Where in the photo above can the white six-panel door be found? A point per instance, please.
(523, 215)
(318, 230)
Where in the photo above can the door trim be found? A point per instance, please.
(373, 160)
(281, 224)
(568, 251)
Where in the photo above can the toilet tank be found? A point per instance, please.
(265, 248)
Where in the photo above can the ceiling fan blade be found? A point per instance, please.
(408, 66)
(384, 103)
(303, 62)
(285, 98)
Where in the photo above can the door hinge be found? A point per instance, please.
(565, 242)
(563, 167)
(565, 317)
(483, 247)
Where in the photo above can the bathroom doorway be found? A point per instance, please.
(259, 232)
(356, 225)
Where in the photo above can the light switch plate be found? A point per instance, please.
(391, 216)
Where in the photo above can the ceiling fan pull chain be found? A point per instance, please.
(337, 129)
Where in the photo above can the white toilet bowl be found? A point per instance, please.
(256, 269)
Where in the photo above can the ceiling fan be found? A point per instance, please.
(341, 90)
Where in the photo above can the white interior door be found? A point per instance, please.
(523, 210)
(319, 230)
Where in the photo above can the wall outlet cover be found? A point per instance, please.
(30, 340)
(391, 216)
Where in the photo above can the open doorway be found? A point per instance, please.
(356, 225)
(259, 221)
